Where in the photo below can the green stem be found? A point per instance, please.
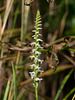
(36, 91)
(36, 83)
(71, 49)
(36, 87)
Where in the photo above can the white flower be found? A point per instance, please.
(32, 74)
(38, 45)
(33, 84)
(40, 35)
(32, 57)
(39, 24)
(33, 30)
(41, 61)
(39, 79)
(37, 67)
(39, 28)
(37, 32)
(33, 36)
(33, 65)
(36, 59)
(41, 71)
(41, 47)
(37, 52)
(39, 21)
(40, 40)
(33, 43)
(33, 50)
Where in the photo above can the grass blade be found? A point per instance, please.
(5, 21)
(6, 91)
(63, 84)
(15, 17)
(10, 92)
(15, 82)
(72, 91)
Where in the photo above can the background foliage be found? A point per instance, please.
(16, 24)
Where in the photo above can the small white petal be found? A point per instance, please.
(33, 84)
(38, 45)
(33, 36)
(33, 30)
(37, 32)
(36, 59)
(41, 61)
(33, 50)
(39, 17)
(32, 74)
(32, 57)
(41, 71)
(40, 35)
(39, 79)
(37, 67)
(39, 21)
(40, 40)
(33, 65)
(37, 52)
(41, 47)
(39, 28)
(33, 43)
(39, 24)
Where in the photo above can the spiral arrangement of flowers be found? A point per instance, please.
(36, 53)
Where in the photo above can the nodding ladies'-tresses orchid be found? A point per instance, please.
(36, 53)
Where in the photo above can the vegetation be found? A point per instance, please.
(56, 46)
